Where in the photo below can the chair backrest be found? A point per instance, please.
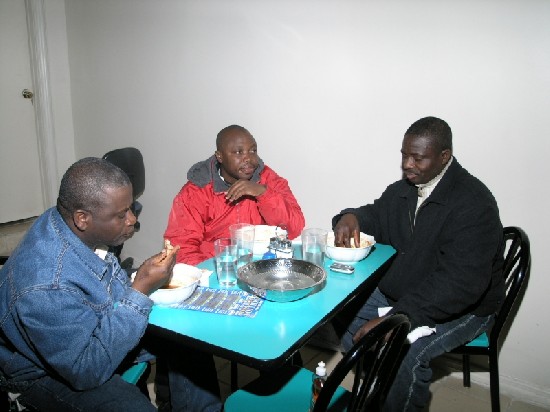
(130, 160)
(517, 261)
(375, 358)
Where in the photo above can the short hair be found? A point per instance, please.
(83, 184)
(434, 128)
(225, 131)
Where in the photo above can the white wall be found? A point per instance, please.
(328, 89)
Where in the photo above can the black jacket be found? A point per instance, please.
(448, 262)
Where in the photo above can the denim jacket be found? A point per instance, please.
(64, 311)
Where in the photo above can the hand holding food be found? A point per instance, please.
(346, 229)
(156, 271)
(168, 250)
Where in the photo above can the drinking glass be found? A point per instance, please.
(314, 242)
(226, 262)
(242, 235)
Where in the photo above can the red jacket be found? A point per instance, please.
(200, 213)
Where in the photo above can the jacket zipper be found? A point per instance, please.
(412, 221)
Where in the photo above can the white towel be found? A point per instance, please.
(205, 277)
(416, 333)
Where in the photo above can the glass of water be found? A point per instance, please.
(314, 242)
(242, 235)
(226, 262)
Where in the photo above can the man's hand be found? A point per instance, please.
(367, 326)
(244, 188)
(156, 271)
(346, 229)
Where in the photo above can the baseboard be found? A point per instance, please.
(515, 388)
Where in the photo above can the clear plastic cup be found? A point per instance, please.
(242, 236)
(226, 262)
(314, 242)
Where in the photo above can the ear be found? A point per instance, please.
(218, 155)
(446, 156)
(82, 219)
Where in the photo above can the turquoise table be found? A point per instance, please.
(268, 340)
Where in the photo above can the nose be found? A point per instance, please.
(131, 218)
(407, 163)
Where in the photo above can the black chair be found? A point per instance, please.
(517, 260)
(375, 359)
(130, 160)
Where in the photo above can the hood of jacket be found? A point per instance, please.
(206, 171)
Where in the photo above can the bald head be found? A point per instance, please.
(228, 132)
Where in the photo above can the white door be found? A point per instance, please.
(20, 183)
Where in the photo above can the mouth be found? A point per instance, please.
(410, 176)
(248, 169)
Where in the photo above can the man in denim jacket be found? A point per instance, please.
(68, 318)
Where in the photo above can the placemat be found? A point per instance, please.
(223, 301)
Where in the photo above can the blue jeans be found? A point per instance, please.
(115, 395)
(188, 395)
(410, 390)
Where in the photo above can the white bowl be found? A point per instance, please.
(185, 279)
(352, 254)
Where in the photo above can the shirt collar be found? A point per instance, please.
(425, 189)
(219, 183)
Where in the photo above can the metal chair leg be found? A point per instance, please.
(494, 381)
(466, 370)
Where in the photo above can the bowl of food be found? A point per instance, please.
(281, 280)
(185, 279)
(351, 254)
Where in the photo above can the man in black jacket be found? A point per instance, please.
(447, 275)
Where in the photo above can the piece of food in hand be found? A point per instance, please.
(167, 245)
(168, 250)
(363, 243)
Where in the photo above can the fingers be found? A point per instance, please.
(346, 228)
(159, 257)
(169, 252)
(356, 237)
(340, 235)
(244, 188)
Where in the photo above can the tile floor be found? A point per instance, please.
(448, 394)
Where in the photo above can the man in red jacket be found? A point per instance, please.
(232, 186)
